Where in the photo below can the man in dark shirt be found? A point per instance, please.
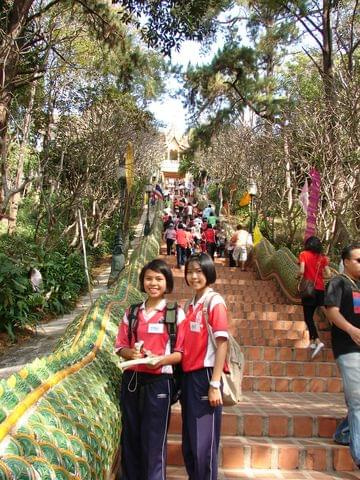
(342, 301)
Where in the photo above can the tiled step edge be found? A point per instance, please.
(274, 453)
(270, 425)
(289, 384)
(179, 473)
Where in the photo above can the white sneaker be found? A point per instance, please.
(312, 345)
(318, 348)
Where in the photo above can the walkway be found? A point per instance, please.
(283, 427)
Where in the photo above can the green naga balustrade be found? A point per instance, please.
(278, 264)
(60, 416)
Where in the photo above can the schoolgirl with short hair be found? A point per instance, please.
(146, 391)
(202, 364)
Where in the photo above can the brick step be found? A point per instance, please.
(179, 473)
(234, 305)
(260, 336)
(239, 313)
(248, 283)
(228, 272)
(269, 424)
(254, 335)
(259, 299)
(291, 369)
(279, 324)
(240, 299)
(274, 453)
(279, 414)
(266, 383)
(257, 352)
(281, 342)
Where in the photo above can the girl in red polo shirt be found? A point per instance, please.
(202, 364)
(146, 391)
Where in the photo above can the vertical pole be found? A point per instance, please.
(84, 253)
(251, 213)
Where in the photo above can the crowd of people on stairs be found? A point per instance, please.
(188, 229)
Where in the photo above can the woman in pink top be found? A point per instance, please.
(313, 266)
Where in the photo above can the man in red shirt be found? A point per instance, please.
(181, 244)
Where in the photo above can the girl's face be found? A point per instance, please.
(195, 277)
(154, 284)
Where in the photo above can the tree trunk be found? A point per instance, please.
(9, 60)
(289, 187)
(15, 199)
(5, 101)
(327, 54)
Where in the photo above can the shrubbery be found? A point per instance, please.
(63, 280)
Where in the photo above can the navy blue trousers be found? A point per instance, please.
(145, 409)
(201, 426)
(180, 255)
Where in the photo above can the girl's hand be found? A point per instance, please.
(215, 398)
(156, 366)
(135, 354)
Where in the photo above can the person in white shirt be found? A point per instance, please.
(241, 240)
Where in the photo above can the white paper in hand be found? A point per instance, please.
(153, 360)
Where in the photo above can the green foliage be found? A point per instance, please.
(17, 303)
(63, 280)
(64, 277)
(169, 22)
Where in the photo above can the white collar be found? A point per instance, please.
(161, 305)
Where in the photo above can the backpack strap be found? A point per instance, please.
(171, 322)
(208, 300)
(133, 320)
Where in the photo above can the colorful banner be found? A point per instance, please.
(314, 197)
(257, 235)
(158, 193)
(245, 200)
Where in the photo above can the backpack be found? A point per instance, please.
(235, 360)
(170, 321)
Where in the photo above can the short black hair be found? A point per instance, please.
(206, 264)
(346, 252)
(158, 266)
(313, 244)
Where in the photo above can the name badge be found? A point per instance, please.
(195, 327)
(156, 328)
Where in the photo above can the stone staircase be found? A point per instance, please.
(291, 404)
